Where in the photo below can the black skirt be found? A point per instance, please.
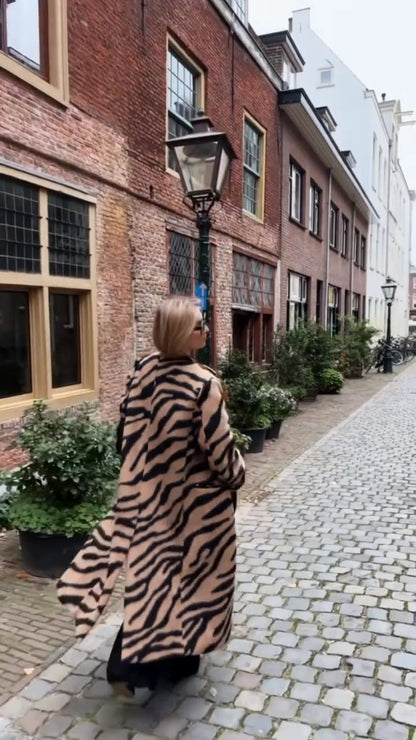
(148, 675)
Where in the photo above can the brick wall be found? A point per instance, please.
(110, 139)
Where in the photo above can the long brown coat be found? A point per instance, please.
(173, 523)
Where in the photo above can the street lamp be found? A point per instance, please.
(389, 290)
(203, 159)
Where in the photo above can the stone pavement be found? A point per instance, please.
(324, 644)
(28, 603)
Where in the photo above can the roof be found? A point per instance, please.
(285, 40)
(299, 108)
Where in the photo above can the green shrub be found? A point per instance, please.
(242, 441)
(247, 404)
(69, 482)
(353, 347)
(280, 403)
(330, 381)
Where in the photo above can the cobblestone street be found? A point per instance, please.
(324, 644)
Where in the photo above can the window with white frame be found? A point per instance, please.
(297, 299)
(253, 169)
(333, 309)
(333, 226)
(414, 300)
(184, 96)
(326, 76)
(315, 209)
(345, 235)
(380, 171)
(47, 329)
(355, 309)
(414, 283)
(296, 176)
(240, 8)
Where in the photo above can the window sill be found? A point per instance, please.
(318, 237)
(15, 409)
(253, 217)
(345, 256)
(297, 223)
(334, 248)
(169, 171)
(60, 92)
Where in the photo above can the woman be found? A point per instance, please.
(172, 526)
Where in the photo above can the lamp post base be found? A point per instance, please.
(387, 363)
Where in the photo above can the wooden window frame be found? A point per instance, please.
(39, 286)
(56, 83)
(301, 302)
(248, 119)
(173, 46)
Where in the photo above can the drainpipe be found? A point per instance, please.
(326, 282)
(351, 257)
(387, 265)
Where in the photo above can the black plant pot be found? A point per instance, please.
(48, 555)
(274, 430)
(257, 437)
(311, 394)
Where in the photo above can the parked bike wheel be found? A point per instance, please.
(396, 357)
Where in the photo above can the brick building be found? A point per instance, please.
(412, 297)
(93, 229)
(325, 212)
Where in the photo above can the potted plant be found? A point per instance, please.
(310, 385)
(248, 408)
(330, 381)
(280, 405)
(298, 393)
(65, 488)
(242, 441)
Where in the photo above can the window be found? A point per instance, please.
(240, 8)
(414, 283)
(315, 210)
(319, 302)
(333, 309)
(253, 169)
(297, 299)
(363, 253)
(414, 300)
(356, 247)
(47, 295)
(326, 76)
(183, 264)
(296, 192)
(33, 43)
(345, 236)
(380, 173)
(355, 306)
(184, 96)
(333, 227)
(253, 305)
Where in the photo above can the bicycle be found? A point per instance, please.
(378, 356)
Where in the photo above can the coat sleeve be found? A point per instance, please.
(215, 438)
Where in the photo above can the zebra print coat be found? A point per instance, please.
(172, 526)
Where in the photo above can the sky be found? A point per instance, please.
(375, 38)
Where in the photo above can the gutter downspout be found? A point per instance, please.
(354, 209)
(386, 267)
(326, 283)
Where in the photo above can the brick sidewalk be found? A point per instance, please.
(35, 629)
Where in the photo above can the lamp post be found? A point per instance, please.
(203, 159)
(389, 290)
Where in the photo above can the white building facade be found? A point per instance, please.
(370, 130)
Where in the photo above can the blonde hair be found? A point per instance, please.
(173, 325)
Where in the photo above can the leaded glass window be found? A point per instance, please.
(19, 226)
(68, 226)
(253, 142)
